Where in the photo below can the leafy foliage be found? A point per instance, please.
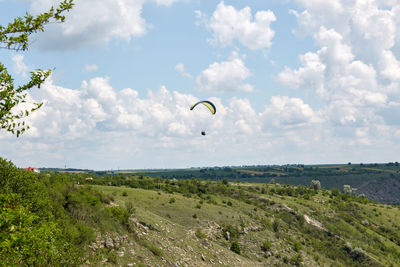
(15, 36)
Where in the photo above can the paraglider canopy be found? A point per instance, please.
(209, 105)
(206, 103)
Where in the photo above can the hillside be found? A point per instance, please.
(380, 182)
(269, 229)
(128, 220)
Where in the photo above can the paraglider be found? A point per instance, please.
(206, 103)
(209, 105)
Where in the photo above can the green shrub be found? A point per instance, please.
(275, 225)
(233, 231)
(129, 207)
(124, 194)
(199, 234)
(171, 200)
(235, 247)
(120, 213)
(25, 240)
(266, 246)
(296, 259)
(112, 257)
(296, 246)
(28, 185)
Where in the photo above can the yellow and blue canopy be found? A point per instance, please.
(206, 103)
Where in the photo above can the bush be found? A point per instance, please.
(275, 225)
(112, 257)
(200, 234)
(172, 200)
(121, 214)
(235, 247)
(28, 185)
(296, 246)
(296, 259)
(130, 208)
(23, 239)
(124, 194)
(266, 246)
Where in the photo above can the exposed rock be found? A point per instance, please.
(205, 243)
(94, 247)
(109, 242)
(227, 235)
(286, 208)
(314, 222)
(117, 241)
(365, 222)
(203, 258)
(101, 243)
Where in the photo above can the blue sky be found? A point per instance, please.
(293, 81)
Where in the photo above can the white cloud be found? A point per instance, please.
(90, 67)
(287, 112)
(225, 76)
(94, 22)
(229, 24)
(19, 65)
(180, 68)
(354, 72)
(165, 2)
(98, 126)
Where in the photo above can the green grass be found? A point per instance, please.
(255, 220)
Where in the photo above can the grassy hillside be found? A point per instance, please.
(63, 220)
(379, 182)
(319, 229)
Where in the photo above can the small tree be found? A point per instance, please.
(16, 37)
(316, 184)
(235, 247)
(347, 189)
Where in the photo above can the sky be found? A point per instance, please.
(293, 82)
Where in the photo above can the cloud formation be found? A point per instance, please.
(229, 24)
(90, 67)
(180, 68)
(355, 70)
(86, 26)
(19, 65)
(225, 76)
(97, 120)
